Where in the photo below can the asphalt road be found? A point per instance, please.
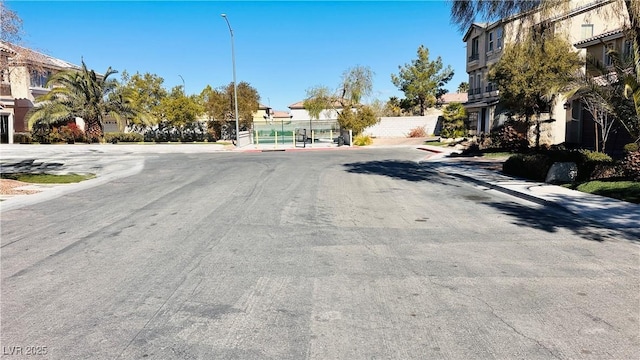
(355, 254)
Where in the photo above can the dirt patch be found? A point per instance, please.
(11, 187)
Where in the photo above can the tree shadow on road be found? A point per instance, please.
(398, 169)
(30, 166)
(552, 219)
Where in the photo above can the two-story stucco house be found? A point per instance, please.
(580, 20)
(23, 78)
(597, 47)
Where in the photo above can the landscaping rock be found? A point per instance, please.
(562, 173)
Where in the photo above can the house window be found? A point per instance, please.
(499, 38)
(39, 78)
(587, 31)
(490, 87)
(626, 50)
(471, 78)
(478, 85)
(608, 59)
(490, 41)
(475, 53)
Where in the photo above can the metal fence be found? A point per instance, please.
(282, 132)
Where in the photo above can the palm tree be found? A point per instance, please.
(82, 94)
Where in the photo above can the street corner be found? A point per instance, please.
(10, 188)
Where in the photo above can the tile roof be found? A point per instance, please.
(38, 57)
(595, 39)
(473, 26)
(454, 97)
(281, 114)
(297, 105)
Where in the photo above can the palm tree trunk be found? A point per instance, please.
(94, 131)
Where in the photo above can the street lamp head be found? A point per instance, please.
(223, 15)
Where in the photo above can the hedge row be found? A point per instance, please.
(116, 137)
(535, 166)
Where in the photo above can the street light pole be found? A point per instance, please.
(184, 90)
(235, 85)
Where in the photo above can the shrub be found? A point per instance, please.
(591, 165)
(631, 165)
(452, 134)
(22, 138)
(530, 166)
(55, 137)
(417, 132)
(594, 165)
(362, 140)
(71, 133)
(510, 137)
(116, 137)
(40, 133)
(632, 147)
(595, 156)
(453, 121)
(357, 118)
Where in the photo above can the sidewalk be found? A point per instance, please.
(599, 209)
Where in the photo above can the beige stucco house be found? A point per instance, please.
(23, 78)
(581, 21)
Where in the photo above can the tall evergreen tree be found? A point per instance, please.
(423, 80)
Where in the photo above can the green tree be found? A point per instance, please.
(214, 102)
(410, 107)
(357, 83)
(530, 73)
(357, 118)
(463, 87)
(85, 94)
(145, 93)
(453, 117)
(392, 106)
(319, 99)
(178, 110)
(423, 80)
(219, 103)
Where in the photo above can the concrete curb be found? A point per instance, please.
(519, 194)
(602, 211)
(48, 192)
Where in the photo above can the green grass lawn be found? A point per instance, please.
(436, 143)
(48, 178)
(623, 190)
(496, 155)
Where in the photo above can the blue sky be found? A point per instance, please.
(282, 48)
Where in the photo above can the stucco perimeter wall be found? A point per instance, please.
(401, 126)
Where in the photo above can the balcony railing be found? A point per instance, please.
(474, 57)
(491, 87)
